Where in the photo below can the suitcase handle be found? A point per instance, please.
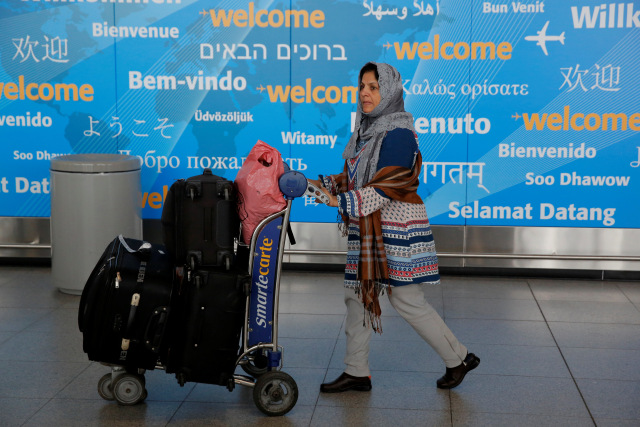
(199, 326)
(144, 249)
(193, 189)
(155, 328)
(200, 316)
(135, 301)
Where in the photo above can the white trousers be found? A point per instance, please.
(410, 303)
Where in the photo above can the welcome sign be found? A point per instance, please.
(527, 112)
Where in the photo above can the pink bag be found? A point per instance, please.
(257, 183)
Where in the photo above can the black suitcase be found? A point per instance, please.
(210, 323)
(200, 221)
(126, 303)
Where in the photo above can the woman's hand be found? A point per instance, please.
(333, 200)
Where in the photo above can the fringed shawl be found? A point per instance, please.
(397, 183)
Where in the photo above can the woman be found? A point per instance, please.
(390, 246)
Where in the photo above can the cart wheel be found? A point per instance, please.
(192, 262)
(104, 387)
(129, 389)
(275, 393)
(257, 364)
(227, 263)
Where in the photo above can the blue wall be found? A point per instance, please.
(513, 131)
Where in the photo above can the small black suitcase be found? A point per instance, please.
(209, 327)
(200, 221)
(126, 303)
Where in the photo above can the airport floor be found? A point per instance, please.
(553, 353)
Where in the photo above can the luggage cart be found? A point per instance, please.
(260, 356)
(274, 391)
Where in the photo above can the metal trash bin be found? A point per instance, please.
(94, 198)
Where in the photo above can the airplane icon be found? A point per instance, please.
(542, 38)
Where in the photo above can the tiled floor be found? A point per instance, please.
(554, 352)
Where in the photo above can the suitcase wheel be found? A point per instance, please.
(275, 393)
(104, 387)
(257, 364)
(128, 389)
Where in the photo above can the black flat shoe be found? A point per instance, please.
(347, 382)
(454, 376)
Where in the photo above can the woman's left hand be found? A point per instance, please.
(333, 200)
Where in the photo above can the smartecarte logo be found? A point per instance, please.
(262, 284)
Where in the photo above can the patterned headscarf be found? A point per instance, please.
(372, 127)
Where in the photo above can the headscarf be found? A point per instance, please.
(372, 127)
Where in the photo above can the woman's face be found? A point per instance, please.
(369, 92)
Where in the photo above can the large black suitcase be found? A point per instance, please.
(200, 221)
(126, 304)
(208, 331)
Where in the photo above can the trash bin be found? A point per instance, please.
(94, 198)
